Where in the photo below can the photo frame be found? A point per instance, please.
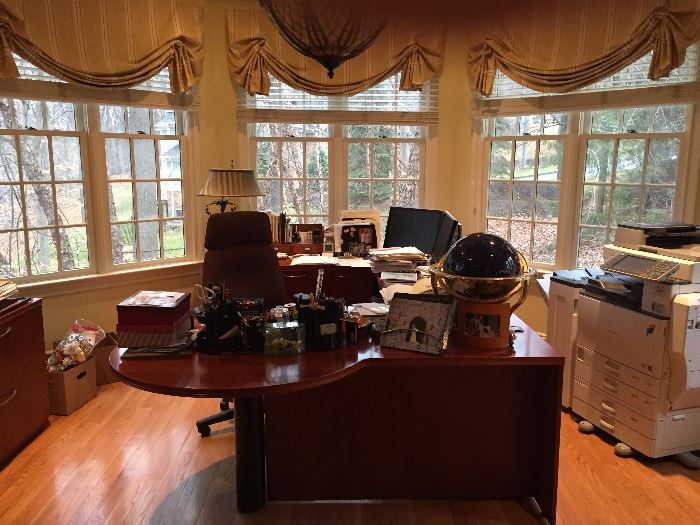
(483, 325)
(419, 322)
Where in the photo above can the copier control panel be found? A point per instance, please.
(640, 267)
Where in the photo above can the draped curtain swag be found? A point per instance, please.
(556, 47)
(257, 49)
(103, 43)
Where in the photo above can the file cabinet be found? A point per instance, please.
(24, 386)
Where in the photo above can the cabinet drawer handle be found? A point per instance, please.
(7, 331)
(607, 407)
(292, 276)
(607, 425)
(610, 386)
(10, 397)
(611, 368)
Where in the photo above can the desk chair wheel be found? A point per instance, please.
(203, 429)
(225, 414)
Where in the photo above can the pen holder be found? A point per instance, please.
(284, 338)
(321, 319)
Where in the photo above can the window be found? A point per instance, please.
(71, 171)
(384, 167)
(292, 170)
(630, 172)
(43, 226)
(144, 173)
(623, 167)
(328, 157)
(524, 182)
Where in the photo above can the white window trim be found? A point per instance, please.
(574, 158)
(95, 177)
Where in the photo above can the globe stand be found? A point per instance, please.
(484, 304)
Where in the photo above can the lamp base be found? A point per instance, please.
(222, 203)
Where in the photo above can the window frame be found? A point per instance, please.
(87, 101)
(574, 154)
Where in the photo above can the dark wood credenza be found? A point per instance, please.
(354, 284)
(24, 386)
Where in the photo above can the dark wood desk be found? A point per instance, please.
(367, 422)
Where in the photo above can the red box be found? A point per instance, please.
(147, 308)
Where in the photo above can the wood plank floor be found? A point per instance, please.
(131, 457)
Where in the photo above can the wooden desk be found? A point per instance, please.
(366, 422)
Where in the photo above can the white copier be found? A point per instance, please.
(634, 332)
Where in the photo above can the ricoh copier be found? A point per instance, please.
(634, 334)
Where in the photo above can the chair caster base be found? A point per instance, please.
(204, 430)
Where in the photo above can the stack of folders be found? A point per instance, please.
(7, 288)
(153, 318)
(404, 259)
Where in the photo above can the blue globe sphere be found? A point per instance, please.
(483, 255)
(488, 258)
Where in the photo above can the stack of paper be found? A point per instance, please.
(388, 278)
(404, 259)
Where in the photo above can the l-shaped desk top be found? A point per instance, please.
(202, 375)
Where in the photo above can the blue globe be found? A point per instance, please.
(484, 256)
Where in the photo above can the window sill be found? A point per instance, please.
(94, 282)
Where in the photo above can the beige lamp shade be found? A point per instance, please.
(229, 182)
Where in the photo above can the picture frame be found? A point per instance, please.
(483, 325)
(419, 322)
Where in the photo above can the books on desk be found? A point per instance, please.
(153, 318)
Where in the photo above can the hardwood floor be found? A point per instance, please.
(131, 457)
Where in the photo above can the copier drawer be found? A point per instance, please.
(626, 336)
(645, 404)
(612, 408)
(634, 378)
(634, 439)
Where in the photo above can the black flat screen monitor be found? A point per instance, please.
(431, 231)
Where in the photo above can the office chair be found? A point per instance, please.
(239, 253)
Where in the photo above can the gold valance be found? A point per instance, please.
(103, 43)
(256, 49)
(556, 47)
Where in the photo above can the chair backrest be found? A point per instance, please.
(240, 254)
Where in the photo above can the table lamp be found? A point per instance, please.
(229, 182)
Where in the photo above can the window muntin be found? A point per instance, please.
(384, 167)
(43, 219)
(524, 182)
(144, 183)
(292, 170)
(630, 172)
